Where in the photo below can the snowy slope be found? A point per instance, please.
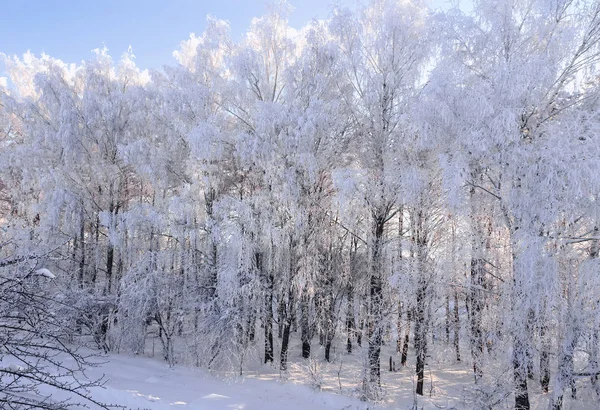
(143, 383)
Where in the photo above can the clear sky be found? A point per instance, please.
(70, 29)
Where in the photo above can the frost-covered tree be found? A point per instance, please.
(389, 176)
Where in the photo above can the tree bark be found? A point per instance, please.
(456, 327)
(268, 317)
(399, 326)
(476, 311)
(287, 327)
(421, 320)
(306, 335)
(448, 319)
(420, 338)
(519, 345)
(404, 357)
(374, 328)
(82, 251)
(545, 359)
(350, 323)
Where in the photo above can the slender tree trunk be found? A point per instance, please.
(421, 320)
(306, 335)
(329, 314)
(476, 299)
(400, 258)
(211, 287)
(399, 325)
(361, 327)
(456, 326)
(376, 299)
(82, 251)
(350, 324)
(545, 359)
(420, 338)
(330, 330)
(448, 319)
(95, 250)
(595, 351)
(109, 267)
(519, 345)
(268, 317)
(280, 310)
(404, 357)
(287, 327)
(594, 362)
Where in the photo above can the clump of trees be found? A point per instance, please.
(389, 175)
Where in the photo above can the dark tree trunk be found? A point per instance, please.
(350, 324)
(305, 349)
(109, 267)
(287, 327)
(327, 351)
(360, 332)
(476, 311)
(120, 267)
(294, 318)
(519, 345)
(251, 327)
(400, 257)
(399, 325)
(212, 278)
(329, 318)
(82, 252)
(280, 316)
(376, 299)
(404, 357)
(211, 287)
(420, 338)
(448, 320)
(268, 318)
(594, 362)
(421, 319)
(306, 335)
(544, 359)
(456, 327)
(94, 260)
(110, 253)
(545, 371)
(594, 359)
(284, 344)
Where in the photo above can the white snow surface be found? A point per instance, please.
(145, 383)
(46, 273)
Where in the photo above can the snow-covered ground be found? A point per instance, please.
(147, 383)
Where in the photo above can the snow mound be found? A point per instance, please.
(46, 273)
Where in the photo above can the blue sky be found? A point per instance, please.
(70, 29)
